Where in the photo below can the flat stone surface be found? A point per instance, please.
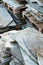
(30, 40)
(5, 17)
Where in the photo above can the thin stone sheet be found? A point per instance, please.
(40, 2)
(13, 3)
(37, 7)
(5, 17)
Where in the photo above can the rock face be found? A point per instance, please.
(25, 44)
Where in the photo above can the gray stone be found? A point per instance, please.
(0, 62)
(17, 53)
(15, 62)
(7, 51)
(5, 55)
(12, 62)
(3, 20)
(7, 60)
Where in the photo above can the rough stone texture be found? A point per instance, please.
(29, 41)
(17, 53)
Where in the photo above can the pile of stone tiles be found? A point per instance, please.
(8, 20)
(17, 46)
